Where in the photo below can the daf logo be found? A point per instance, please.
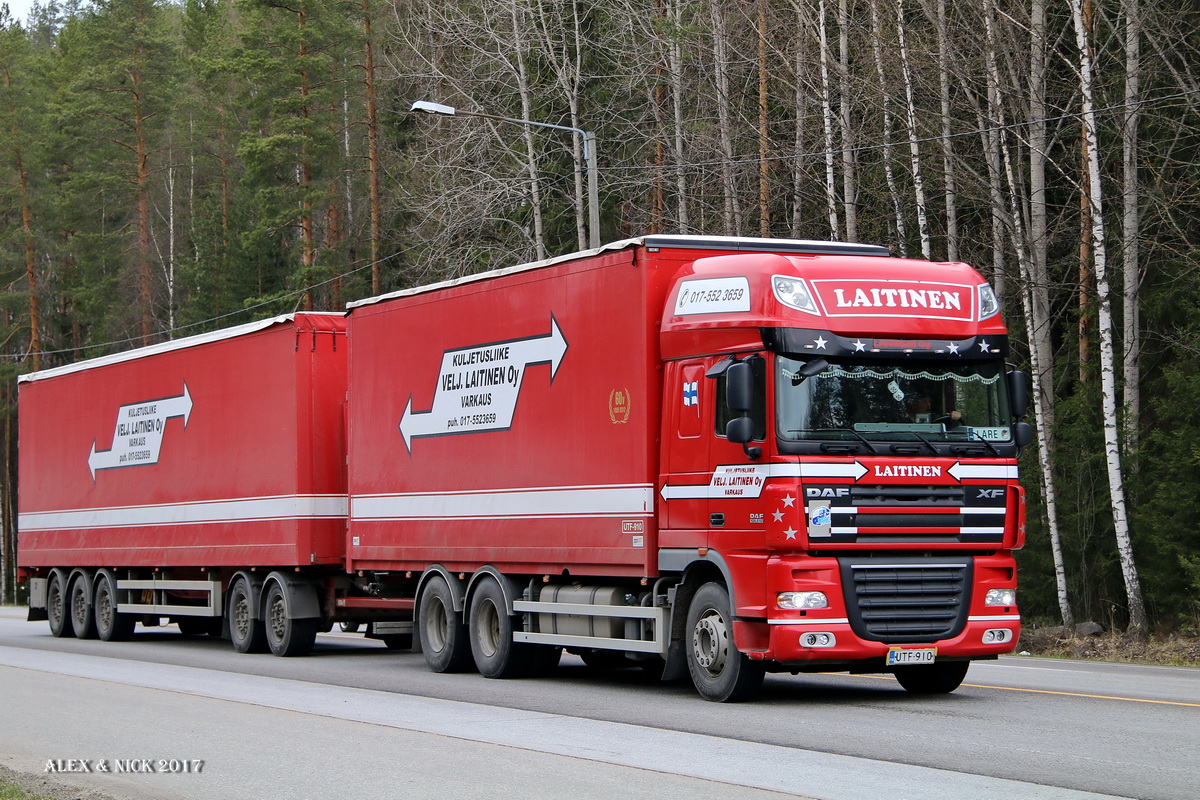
(991, 494)
(826, 491)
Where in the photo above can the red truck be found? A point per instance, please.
(706, 456)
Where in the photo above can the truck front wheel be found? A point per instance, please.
(56, 608)
(938, 678)
(245, 631)
(719, 671)
(286, 636)
(443, 637)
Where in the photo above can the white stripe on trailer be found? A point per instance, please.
(542, 502)
(248, 509)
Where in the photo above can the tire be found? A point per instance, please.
(496, 654)
(111, 626)
(937, 678)
(246, 632)
(444, 638)
(83, 621)
(57, 608)
(720, 673)
(286, 637)
(350, 627)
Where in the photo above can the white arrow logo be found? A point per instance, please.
(138, 436)
(478, 386)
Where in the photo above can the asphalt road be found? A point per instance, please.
(356, 719)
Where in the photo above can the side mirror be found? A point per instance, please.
(1018, 393)
(740, 430)
(1023, 433)
(739, 387)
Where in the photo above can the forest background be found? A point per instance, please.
(168, 168)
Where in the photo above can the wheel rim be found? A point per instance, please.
(241, 615)
(437, 625)
(488, 628)
(55, 606)
(79, 604)
(104, 609)
(710, 643)
(278, 617)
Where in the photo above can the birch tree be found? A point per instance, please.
(1108, 389)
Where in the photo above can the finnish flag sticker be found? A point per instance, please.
(691, 393)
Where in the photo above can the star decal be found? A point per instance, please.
(983, 345)
(954, 348)
(790, 533)
(778, 515)
(788, 501)
(859, 346)
(820, 342)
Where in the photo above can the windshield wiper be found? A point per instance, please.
(830, 445)
(973, 448)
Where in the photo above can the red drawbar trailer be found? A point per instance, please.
(154, 481)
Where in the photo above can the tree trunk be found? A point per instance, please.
(733, 209)
(373, 167)
(849, 155)
(1108, 388)
(764, 133)
(948, 176)
(1036, 299)
(888, 148)
(1130, 231)
(914, 147)
(831, 197)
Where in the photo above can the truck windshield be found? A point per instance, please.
(910, 401)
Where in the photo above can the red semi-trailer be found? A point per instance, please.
(707, 456)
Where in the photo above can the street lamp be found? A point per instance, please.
(589, 155)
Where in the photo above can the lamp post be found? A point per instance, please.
(589, 155)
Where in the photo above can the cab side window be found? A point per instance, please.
(759, 413)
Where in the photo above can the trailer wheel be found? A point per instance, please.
(56, 608)
(245, 631)
(937, 678)
(443, 638)
(719, 672)
(286, 636)
(496, 655)
(111, 626)
(83, 622)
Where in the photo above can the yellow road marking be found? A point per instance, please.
(1048, 691)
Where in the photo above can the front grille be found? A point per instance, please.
(900, 600)
(875, 515)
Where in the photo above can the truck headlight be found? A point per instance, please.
(793, 293)
(989, 304)
(802, 600)
(1001, 597)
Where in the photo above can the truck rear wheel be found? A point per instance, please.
(491, 633)
(83, 622)
(286, 636)
(719, 672)
(444, 639)
(937, 678)
(111, 626)
(245, 631)
(56, 608)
